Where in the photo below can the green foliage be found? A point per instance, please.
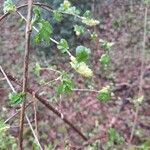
(6, 141)
(63, 46)
(145, 145)
(57, 15)
(82, 53)
(16, 98)
(104, 95)
(105, 60)
(44, 33)
(147, 2)
(88, 20)
(66, 7)
(81, 67)
(94, 36)
(66, 85)
(79, 30)
(87, 14)
(37, 15)
(106, 45)
(114, 138)
(65, 29)
(3, 127)
(37, 69)
(9, 6)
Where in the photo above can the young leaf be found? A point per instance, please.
(66, 85)
(44, 33)
(90, 22)
(87, 14)
(105, 60)
(104, 94)
(82, 53)
(114, 136)
(16, 98)
(81, 68)
(79, 30)
(64, 6)
(57, 15)
(72, 10)
(37, 69)
(106, 45)
(93, 36)
(37, 15)
(9, 6)
(63, 46)
(3, 127)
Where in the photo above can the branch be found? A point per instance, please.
(34, 134)
(141, 76)
(18, 112)
(25, 71)
(50, 107)
(44, 6)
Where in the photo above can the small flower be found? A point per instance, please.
(81, 68)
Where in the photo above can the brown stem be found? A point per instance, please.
(35, 114)
(50, 107)
(25, 71)
(18, 112)
(44, 6)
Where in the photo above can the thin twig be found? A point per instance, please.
(34, 134)
(18, 112)
(141, 76)
(35, 114)
(25, 71)
(9, 83)
(85, 90)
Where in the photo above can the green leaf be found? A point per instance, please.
(79, 30)
(87, 14)
(16, 98)
(114, 136)
(82, 53)
(106, 45)
(64, 6)
(57, 15)
(63, 46)
(3, 127)
(37, 69)
(9, 6)
(93, 36)
(45, 31)
(104, 94)
(72, 10)
(37, 15)
(105, 60)
(66, 85)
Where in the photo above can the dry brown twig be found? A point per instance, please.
(25, 71)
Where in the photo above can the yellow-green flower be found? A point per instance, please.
(90, 22)
(81, 68)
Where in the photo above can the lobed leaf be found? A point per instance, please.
(82, 54)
